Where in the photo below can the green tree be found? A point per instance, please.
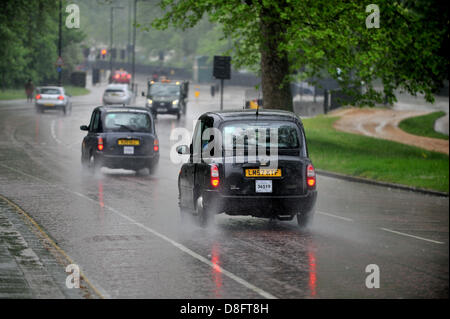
(408, 51)
(28, 42)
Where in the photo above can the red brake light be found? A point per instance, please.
(60, 97)
(38, 97)
(128, 76)
(100, 144)
(310, 176)
(116, 76)
(156, 145)
(215, 180)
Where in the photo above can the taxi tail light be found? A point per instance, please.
(100, 144)
(215, 180)
(60, 97)
(38, 97)
(310, 176)
(116, 76)
(156, 145)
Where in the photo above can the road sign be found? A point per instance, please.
(222, 67)
(59, 62)
(59, 69)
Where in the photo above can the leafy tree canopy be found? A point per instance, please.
(408, 51)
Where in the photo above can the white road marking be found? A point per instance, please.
(183, 248)
(336, 216)
(408, 235)
(52, 129)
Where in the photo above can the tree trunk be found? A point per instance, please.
(274, 65)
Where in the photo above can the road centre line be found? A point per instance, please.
(161, 236)
(336, 216)
(52, 129)
(408, 235)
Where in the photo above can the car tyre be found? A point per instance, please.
(152, 167)
(94, 163)
(178, 115)
(304, 220)
(203, 214)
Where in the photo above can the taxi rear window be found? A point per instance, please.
(127, 122)
(285, 135)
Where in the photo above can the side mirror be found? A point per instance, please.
(183, 149)
(84, 128)
(143, 93)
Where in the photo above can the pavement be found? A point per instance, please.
(124, 231)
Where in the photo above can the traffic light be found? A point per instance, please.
(113, 53)
(103, 53)
(122, 54)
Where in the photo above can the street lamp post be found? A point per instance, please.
(111, 37)
(133, 60)
(60, 43)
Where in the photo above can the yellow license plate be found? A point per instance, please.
(128, 142)
(49, 104)
(263, 172)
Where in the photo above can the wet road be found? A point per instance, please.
(123, 229)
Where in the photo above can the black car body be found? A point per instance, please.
(240, 185)
(120, 137)
(168, 97)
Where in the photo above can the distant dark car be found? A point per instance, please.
(230, 181)
(167, 97)
(120, 137)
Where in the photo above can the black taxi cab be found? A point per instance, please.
(248, 163)
(120, 137)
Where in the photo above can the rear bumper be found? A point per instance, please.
(51, 104)
(127, 161)
(260, 206)
(164, 109)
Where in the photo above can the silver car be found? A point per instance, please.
(117, 94)
(52, 98)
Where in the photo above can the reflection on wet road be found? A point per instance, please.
(124, 230)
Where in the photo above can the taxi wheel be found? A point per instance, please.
(178, 115)
(152, 168)
(93, 163)
(203, 214)
(304, 220)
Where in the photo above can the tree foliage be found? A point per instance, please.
(28, 42)
(329, 38)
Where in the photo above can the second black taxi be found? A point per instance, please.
(120, 137)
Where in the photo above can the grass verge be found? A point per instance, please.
(15, 94)
(374, 158)
(423, 125)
